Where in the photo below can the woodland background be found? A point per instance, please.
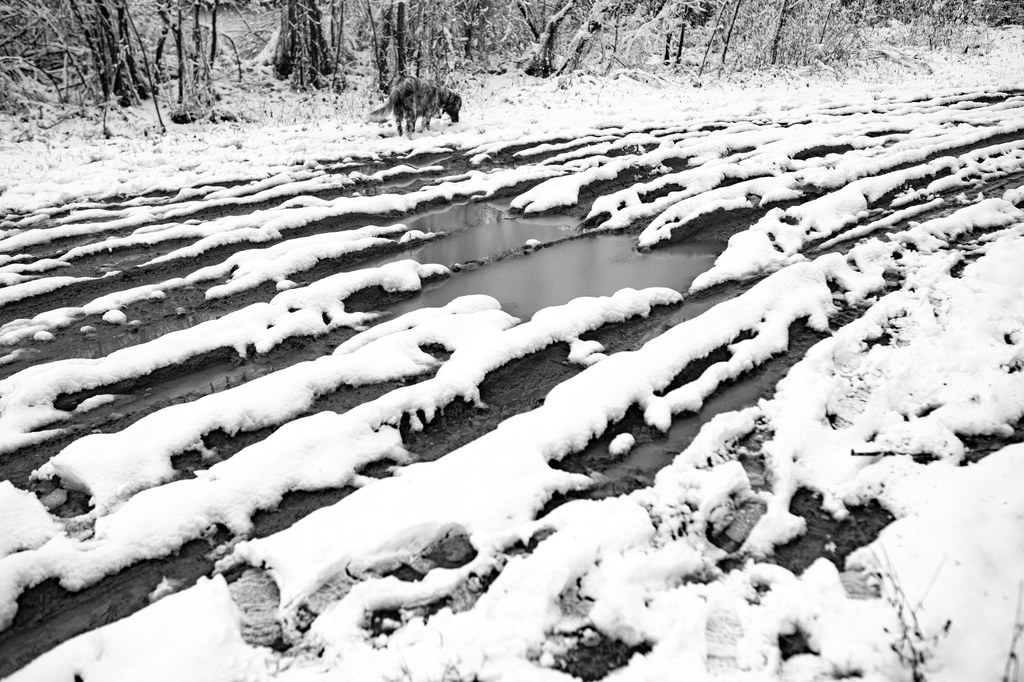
(94, 54)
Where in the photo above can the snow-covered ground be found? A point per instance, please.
(878, 218)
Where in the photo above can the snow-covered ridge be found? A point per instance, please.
(26, 398)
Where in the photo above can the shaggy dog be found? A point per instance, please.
(413, 98)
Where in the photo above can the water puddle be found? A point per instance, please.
(474, 232)
(403, 184)
(638, 468)
(599, 265)
(595, 266)
(209, 379)
(482, 231)
(427, 158)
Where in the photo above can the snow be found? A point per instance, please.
(25, 519)
(621, 444)
(250, 268)
(920, 317)
(460, 488)
(27, 397)
(156, 522)
(193, 635)
(933, 553)
(115, 317)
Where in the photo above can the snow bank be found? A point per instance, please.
(193, 635)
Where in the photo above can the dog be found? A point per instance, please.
(414, 98)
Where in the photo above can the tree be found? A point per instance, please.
(595, 22)
(539, 58)
(105, 25)
(302, 53)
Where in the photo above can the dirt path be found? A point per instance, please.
(49, 614)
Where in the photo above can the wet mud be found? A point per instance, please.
(48, 614)
(653, 449)
(595, 655)
(828, 537)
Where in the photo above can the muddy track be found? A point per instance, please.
(48, 614)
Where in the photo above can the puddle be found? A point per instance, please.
(209, 379)
(638, 468)
(474, 232)
(654, 451)
(593, 655)
(406, 184)
(427, 158)
(828, 537)
(481, 231)
(595, 266)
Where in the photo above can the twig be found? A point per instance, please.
(149, 73)
(59, 121)
(914, 648)
(711, 40)
(728, 36)
(1012, 660)
(234, 49)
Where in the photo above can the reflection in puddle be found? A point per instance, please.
(474, 232)
(594, 266)
(477, 231)
(427, 159)
(210, 379)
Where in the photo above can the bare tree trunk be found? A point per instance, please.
(338, 26)
(824, 24)
(197, 45)
(93, 43)
(130, 85)
(149, 74)
(163, 12)
(728, 36)
(542, 54)
(615, 43)
(777, 40)
(711, 39)
(417, 53)
(424, 50)
(527, 20)
(377, 52)
(213, 31)
(401, 69)
(387, 30)
(105, 24)
(682, 36)
(302, 53)
(195, 91)
(591, 27)
(179, 41)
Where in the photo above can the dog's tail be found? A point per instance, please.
(382, 114)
